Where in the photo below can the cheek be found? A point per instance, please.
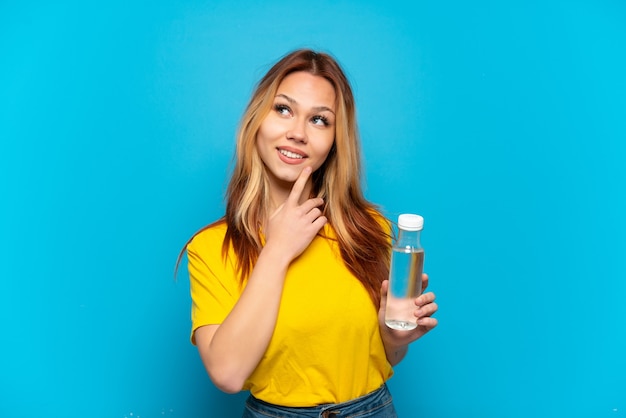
(270, 129)
(325, 146)
(261, 134)
(328, 143)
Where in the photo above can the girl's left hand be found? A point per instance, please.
(425, 307)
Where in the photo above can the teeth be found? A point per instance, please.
(289, 154)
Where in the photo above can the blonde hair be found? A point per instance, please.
(362, 232)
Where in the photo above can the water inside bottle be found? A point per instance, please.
(405, 284)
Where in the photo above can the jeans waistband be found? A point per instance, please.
(377, 404)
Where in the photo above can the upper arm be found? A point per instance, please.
(213, 284)
(203, 336)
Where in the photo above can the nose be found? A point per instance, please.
(297, 131)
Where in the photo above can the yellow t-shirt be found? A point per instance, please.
(326, 347)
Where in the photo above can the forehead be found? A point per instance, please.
(308, 89)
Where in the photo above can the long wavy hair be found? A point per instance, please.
(361, 230)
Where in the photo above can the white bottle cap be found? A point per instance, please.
(410, 222)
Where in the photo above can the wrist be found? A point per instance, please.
(395, 350)
(396, 354)
(275, 256)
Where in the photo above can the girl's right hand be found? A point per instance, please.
(292, 227)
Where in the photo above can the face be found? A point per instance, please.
(299, 130)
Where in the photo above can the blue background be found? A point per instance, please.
(503, 123)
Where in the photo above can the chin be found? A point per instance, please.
(286, 177)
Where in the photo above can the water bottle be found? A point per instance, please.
(405, 274)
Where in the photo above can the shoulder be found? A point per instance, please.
(208, 238)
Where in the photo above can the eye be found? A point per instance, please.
(282, 109)
(320, 120)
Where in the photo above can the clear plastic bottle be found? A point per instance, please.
(405, 274)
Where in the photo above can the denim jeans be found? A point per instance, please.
(377, 404)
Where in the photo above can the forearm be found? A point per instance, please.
(236, 347)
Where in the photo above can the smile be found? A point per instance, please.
(290, 154)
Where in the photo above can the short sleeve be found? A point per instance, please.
(214, 284)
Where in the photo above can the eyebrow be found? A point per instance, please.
(294, 102)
